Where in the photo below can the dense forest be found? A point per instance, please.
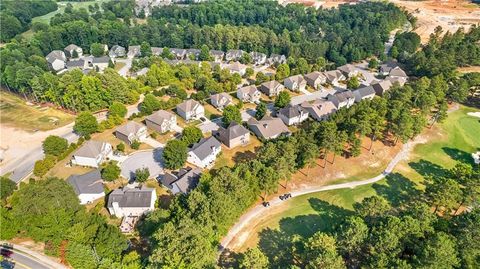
(16, 16)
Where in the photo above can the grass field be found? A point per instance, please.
(15, 112)
(304, 215)
(61, 7)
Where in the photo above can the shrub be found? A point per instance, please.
(135, 144)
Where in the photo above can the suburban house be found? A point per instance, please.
(88, 187)
(233, 136)
(193, 53)
(334, 77)
(131, 202)
(190, 110)
(364, 93)
(401, 81)
(131, 131)
(183, 181)
(386, 67)
(100, 63)
(319, 109)
(276, 59)
(258, 58)
(56, 60)
(92, 153)
(271, 88)
(295, 83)
(292, 115)
(71, 49)
(178, 53)
(237, 67)
(80, 64)
(217, 55)
(348, 70)
(249, 94)
(234, 55)
(134, 51)
(117, 51)
(342, 98)
(381, 87)
(204, 153)
(268, 127)
(157, 51)
(315, 79)
(161, 121)
(221, 100)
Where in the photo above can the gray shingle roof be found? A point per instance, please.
(268, 126)
(56, 55)
(290, 111)
(99, 60)
(203, 148)
(160, 116)
(365, 91)
(90, 149)
(138, 197)
(186, 179)
(130, 127)
(188, 105)
(89, 183)
(233, 131)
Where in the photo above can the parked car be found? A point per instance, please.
(6, 252)
(266, 204)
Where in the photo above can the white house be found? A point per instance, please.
(190, 110)
(348, 70)
(249, 94)
(56, 60)
(334, 77)
(237, 67)
(131, 202)
(234, 55)
(364, 93)
(92, 153)
(100, 63)
(204, 153)
(342, 98)
(161, 121)
(295, 83)
(258, 58)
(221, 100)
(315, 79)
(292, 115)
(71, 49)
(131, 131)
(88, 187)
(271, 88)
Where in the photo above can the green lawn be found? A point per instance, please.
(452, 140)
(61, 7)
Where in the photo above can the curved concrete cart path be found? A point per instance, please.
(151, 159)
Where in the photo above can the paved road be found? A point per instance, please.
(27, 259)
(151, 159)
(259, 210)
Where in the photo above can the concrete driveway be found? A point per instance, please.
(151, 159)
(210, 125)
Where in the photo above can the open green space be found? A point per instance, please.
(15, 112)
(455, 139)
(61, 7)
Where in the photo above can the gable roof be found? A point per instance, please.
(397, 72)
(333, 74)
(364, 91)
(297, 78)
(233, 131)
(250, 89)
(381, 86)
(314, 75)
(236, 66)
(88, 183)
(388, 66)
(160, 116)
(137, 197)
(188, 105)
(271, 85)
(72, 47)
(186, 179)
(291, 111)
(204, 147)
(76, 63)
(319, 108)
(268, 126)
(130, 127)
(347, 68)
(90, 149)
(219, 96)
(56, 55)
(342, 95)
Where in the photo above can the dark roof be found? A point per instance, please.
(203, 148)
(76, 63)
(233, 131)
(343, 95)
(365, 91)
(186, 179)
(137, 197)
(103, 59)
(90, 182)
(290, 111)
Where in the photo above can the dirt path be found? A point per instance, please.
(233, 240)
